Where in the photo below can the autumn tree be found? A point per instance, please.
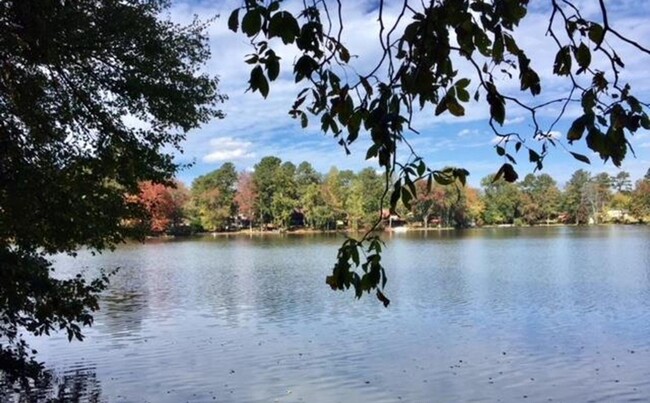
(246, 197)
(640, 205)
(74, 74)
(474, 205)
(159, 203)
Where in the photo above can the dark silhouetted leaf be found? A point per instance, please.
(252, 22)
(583, 56)
(577, 128)
(383, 299)
(581, 158)
(233, 20)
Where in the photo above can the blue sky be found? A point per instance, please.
(254, 127)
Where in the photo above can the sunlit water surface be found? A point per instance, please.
(542, 314)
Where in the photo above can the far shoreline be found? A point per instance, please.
(346, 232)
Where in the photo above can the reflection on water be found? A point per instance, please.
(73, 386)
(477, 315)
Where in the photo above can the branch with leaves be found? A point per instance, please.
(418, 70)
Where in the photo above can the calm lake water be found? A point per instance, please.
(534, 314)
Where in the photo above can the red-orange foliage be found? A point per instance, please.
(159, 203)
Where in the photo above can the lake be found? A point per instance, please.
(485, 315)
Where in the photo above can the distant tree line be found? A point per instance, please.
(280, 195)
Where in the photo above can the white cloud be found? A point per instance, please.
(468, 132)
(228, 149)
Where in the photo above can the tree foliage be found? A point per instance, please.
(246, 197)
(422, 50)
(213, 197)
(640, 205)
(164, 206)
(75, 77)
(541, 198)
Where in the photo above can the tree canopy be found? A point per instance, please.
(93, 96)
(436, 57)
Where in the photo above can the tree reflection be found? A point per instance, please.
(76, 386)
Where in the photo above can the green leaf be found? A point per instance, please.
(454, 107)
(581, 158)
(252, 22)
(500, 150)
(421, 168)
(533, 156)
(462, 83)
(233, 20)
(462, 94)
